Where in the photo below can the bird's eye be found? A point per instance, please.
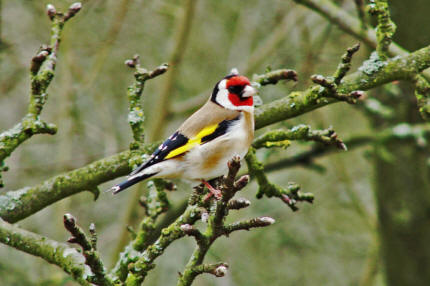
(236, 89)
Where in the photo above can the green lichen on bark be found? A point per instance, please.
(297, 103)
(300, 132)
(155, 203)
(132, 266)
(16, 205)
(422, 93)
(386, 28)
(217, 213)
(289, 195)
(292, 105)
(92, 257)
(41, 74)
(71, 261)
(136, 117)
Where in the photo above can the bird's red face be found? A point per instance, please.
(234, 92)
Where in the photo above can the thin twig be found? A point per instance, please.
(42, 72)
(92, 257)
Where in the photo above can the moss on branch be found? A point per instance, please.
(92, 257)
(136, 116)
(289, 195)
(379, 39)
(217, 213)
(41, 74)
(300, 132)
(297, 103)
(420, 133)
(19, 204)
(386, 27)
(350, 24)
(133, 266)
(68, 259)
(16, 205)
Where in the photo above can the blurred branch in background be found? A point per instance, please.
(165, 98)
(255, 60)
(101, 57)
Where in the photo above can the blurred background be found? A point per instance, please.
(335, 241)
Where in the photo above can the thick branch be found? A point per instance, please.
(71, 261)
(19, 204)
(368, 76)
(294, 104)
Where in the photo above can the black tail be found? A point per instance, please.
(130, 182)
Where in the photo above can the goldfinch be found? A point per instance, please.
(201, 147)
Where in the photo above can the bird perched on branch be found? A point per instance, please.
(201, 147)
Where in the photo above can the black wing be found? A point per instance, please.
(175, 141)
(171, 146)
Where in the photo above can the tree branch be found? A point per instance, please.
(32, 199)
(136, 117)
(370, 37)
(290, 195)
(276, 138)
(367, 77)
(386, 27)
(348, 24)
(68, 259)
(132, 267)
(217, 213)
(19, 204)
(92, 257)
(41, 74)
(420, 133)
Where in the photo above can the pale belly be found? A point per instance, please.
(210, 159)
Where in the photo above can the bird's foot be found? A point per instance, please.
(212, 191)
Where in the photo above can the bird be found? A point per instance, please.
(201, 147)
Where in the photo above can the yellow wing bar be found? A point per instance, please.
(193, 141)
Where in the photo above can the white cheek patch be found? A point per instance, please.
(222, 99)
(222, 84)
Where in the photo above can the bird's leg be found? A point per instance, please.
(212, 191)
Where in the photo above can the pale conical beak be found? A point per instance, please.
(249, 91)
